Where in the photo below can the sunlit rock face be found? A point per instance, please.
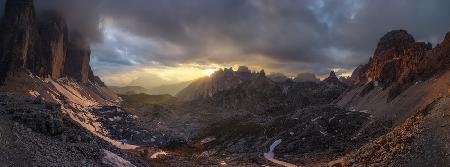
(399, 61)
(54, 35)
(396, 57)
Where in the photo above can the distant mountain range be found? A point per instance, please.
(226, 79)
(170, 89)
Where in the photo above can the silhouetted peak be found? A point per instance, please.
(262, 73)
(332, 75)
(332, 78)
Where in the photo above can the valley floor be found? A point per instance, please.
(65, 129)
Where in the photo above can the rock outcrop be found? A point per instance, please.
(395, 41)
(41, 45)
(396, 59)
(399, 61)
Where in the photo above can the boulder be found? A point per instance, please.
(48, 122)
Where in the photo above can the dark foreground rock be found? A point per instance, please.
(36, 133)
(421, 141)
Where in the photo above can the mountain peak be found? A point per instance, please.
(332, 78)
(396, 40)
(399, 61)
(332, 74)
(262, 73)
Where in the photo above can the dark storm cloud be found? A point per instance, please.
(284, 35)
(81, 15)
(284, 30)
(323, 33)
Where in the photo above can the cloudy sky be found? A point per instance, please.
(167, 41)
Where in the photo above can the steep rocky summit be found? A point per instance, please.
(397, 58)
(402, 77)
(399, 61)
(41, 44)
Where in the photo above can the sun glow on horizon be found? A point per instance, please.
(166, 74)
(209, 72)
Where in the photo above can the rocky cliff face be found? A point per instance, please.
(54, 38)
(42, 45)
(400, 61)
(18, 35)
(78, 58)
(396, 59)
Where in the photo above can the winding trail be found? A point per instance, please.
(270, 155)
